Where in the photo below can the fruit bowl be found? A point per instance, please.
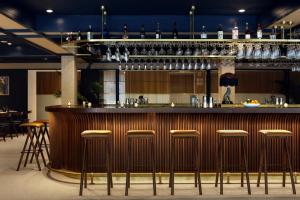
(251, 105)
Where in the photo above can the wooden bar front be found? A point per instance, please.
(66, 124)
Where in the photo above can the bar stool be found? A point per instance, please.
(34, 146)
(140, 134)
(44, 134)
(231, 134)
(279, 134)
(91, 135)
(179, 135)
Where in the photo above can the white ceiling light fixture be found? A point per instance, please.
(242, 10)
(9, 43)
(49, 11)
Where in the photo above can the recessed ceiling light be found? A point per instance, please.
(49, 11)
(242, 10)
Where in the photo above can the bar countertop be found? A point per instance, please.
(292, 109)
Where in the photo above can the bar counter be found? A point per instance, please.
(66, 124)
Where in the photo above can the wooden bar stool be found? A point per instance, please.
(44, 134)
(140, 134)
(34, 145)
(275, 134)
(179, 135)
(91, 135)
(231, 134)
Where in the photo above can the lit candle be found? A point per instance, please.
(69, 103)
(89, 104)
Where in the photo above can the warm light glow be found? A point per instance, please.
(242, 10)
(49, 11)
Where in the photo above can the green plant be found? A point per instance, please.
(57, 93)
(95, 89)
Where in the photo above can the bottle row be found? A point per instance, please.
(276, 33)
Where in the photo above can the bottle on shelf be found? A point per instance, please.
(157, 33)
(125, 32)
(259, 32)
(79, 36)
(283, 30)
(203, 33)
(235, 32)
(175, 32)
(273, 33)
(105, 31)
(142, 32)
(89, 34)
(220, 32)
(247, 32)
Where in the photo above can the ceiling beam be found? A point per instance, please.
(9, 25)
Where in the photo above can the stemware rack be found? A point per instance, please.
(162, 52)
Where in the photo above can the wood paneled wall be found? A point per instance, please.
(48, 82)
(250, 81)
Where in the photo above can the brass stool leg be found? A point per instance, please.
(221, 165)
(194, 141)
(128, 165)
(23, 152)
(265, 165)
(34, 152)
(245, 155)
(39, 145)
(241, 161)
(290, 165)
(31, 144)
(37, 139)
(82, 167)
(108, 165)
(261, 157)
(218, 162)
(172, 165)
(111, 160)
(284, 166)
(153, 165)
(198, 166)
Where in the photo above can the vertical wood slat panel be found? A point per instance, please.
(65, 129)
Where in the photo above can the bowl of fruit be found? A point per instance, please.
(250, 103)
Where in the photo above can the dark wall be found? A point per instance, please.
(116, 22)
(18, 90)
(91, 85)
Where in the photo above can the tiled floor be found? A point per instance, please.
(31, 184)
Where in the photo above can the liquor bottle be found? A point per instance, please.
(158, 33)
(220, 32)
(79, 36)
(247, 32)
(125, 32)
(105, 31)
(203, 33)
(89, 33)
(259, 32)
(235, 32)
(142, 32)
(175, 32)
(273, 34)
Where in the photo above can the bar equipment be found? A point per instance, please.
(204, 102)
(211, 102)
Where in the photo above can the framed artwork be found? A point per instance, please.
(4, 85)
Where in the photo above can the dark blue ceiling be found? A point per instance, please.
(145, 7)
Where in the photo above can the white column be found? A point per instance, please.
(32, 97)
(68, 80)
(229, 67)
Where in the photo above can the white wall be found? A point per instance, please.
(37, 103)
